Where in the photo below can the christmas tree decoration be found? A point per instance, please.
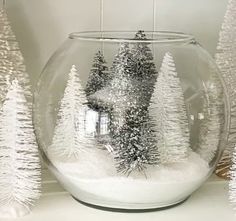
(135, 146)
(143, 68)
(19, 157)
(11, 59)
(169, 115)
(119, 94)
(99, 75)
(210, 120)
(70, 132)
(123, 60)
(226, 61)
(120, 69)
(98, 78)
(132, 152)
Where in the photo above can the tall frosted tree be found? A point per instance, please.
(19, 157)
(70, 134)
(143, 67)
(168, 114)
(134, 143)
(226, 61)
(99, 75)
(11, 59)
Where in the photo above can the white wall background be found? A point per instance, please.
(42, 25)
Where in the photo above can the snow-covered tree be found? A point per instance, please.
(99, 75)
(19, 157)
(168, 114)
(226, 61)
(123, 60)
(70, 132)
(135, 144)
(118, 95)
(133, 140)
(143, 67)
(211, 119)
(11, 59)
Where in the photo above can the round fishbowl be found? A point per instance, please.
(131, 120)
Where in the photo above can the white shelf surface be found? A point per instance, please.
(210, 202)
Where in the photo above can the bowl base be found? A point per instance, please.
(133, 208)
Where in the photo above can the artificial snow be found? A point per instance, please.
(13, 210)
(94, 174)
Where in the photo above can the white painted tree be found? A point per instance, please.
(70, 133)
(168, 113)
(226, 61)
(19, 157)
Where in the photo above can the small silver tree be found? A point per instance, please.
(70, 133)
(19, 157)
(168, 113)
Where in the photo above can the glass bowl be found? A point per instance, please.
(131, 120)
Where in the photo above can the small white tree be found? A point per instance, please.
(211, 119)
(70, 132)
(168, 113)
(19, 157)
(226, 61)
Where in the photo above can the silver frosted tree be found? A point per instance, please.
(99, 75)
(11, 59)
(143, 67)
(19, 157)
(211, 119)
(168, 114)
(70, 132)
(226, 61)
(118, 95)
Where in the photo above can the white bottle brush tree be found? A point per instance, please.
(211, 120)
(19, 158)
(70, 133)
(11, 59)
(226, 61)
(168, 114)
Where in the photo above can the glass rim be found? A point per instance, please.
(122, 36)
